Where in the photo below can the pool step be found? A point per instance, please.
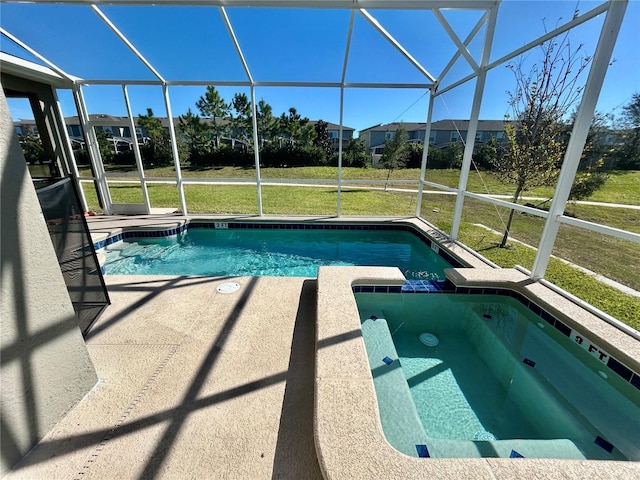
(401, 424)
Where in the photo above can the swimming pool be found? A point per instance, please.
(280, 250)
(502, 381)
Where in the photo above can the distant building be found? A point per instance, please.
(334, 134)
(120, 131)
(443, 132)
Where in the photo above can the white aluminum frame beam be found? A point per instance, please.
(340, 132)
(126, 41)
(93, 150)
(223, 83)
(136, 150)
(254, 110)
(519, 51)
(577, 140)
(73, 166)
(334, 4)
(50, 64)
(236, 44)
(375, 24)
(174, 149)
(425, 154)
(462, 47)
(604, 229)
(467, 41)
(473, 123)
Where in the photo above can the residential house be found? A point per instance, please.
(334, 134)
(120, 131)
(443, 132)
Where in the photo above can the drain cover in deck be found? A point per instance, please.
(228, 287)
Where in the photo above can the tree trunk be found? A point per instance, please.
(387, 182)
(516, 197)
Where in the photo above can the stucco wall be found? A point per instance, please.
(45, 366)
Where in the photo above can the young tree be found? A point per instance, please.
(213, 106)
(396, 152)
(355, 155)
(628, 154)
(105, 145)
(295, 128)
(266, 122)
(32, 149)
(241, 120)
(322, 140)
(157, 150)
(196, 134)
(540, 102)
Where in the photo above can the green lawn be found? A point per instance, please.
(622, 186)
(590, 250)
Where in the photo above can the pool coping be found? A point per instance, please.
(347, 429)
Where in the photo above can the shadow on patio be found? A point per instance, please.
(193, 384)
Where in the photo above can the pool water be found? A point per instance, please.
(259, 252)
(498, 381)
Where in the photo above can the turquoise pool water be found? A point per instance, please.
(500, 380)
(253, 252)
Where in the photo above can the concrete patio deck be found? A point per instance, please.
(200, 384)
(193, 384)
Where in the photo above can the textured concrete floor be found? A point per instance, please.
(193, 384)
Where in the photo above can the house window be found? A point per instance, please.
(333, 134)
(478, 136)
(455, 137)
(379, 151)
(74, 130)
(432, 137)
(500, 136)
(389, 135)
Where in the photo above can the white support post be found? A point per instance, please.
(340, 132)
(597, 72)
(340, 153)
(73, 166)
(425, 153)
(256, 150)
(136, 150)
(254, 109)
(473, 124)
(93, 150)
(174, 150)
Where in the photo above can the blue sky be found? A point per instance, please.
(192, 43)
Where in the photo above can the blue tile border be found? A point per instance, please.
(429, 286)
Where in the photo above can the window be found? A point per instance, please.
(500, 136)
(479, 136)
(432, 137)
(74, 130)
(389, 135)
(333, 134)
(455, 137)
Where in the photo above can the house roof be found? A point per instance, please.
(447, 125)
(106, 120)
(332, 126)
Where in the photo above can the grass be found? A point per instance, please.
(588, 249)
(625, 308)
(622, 186)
